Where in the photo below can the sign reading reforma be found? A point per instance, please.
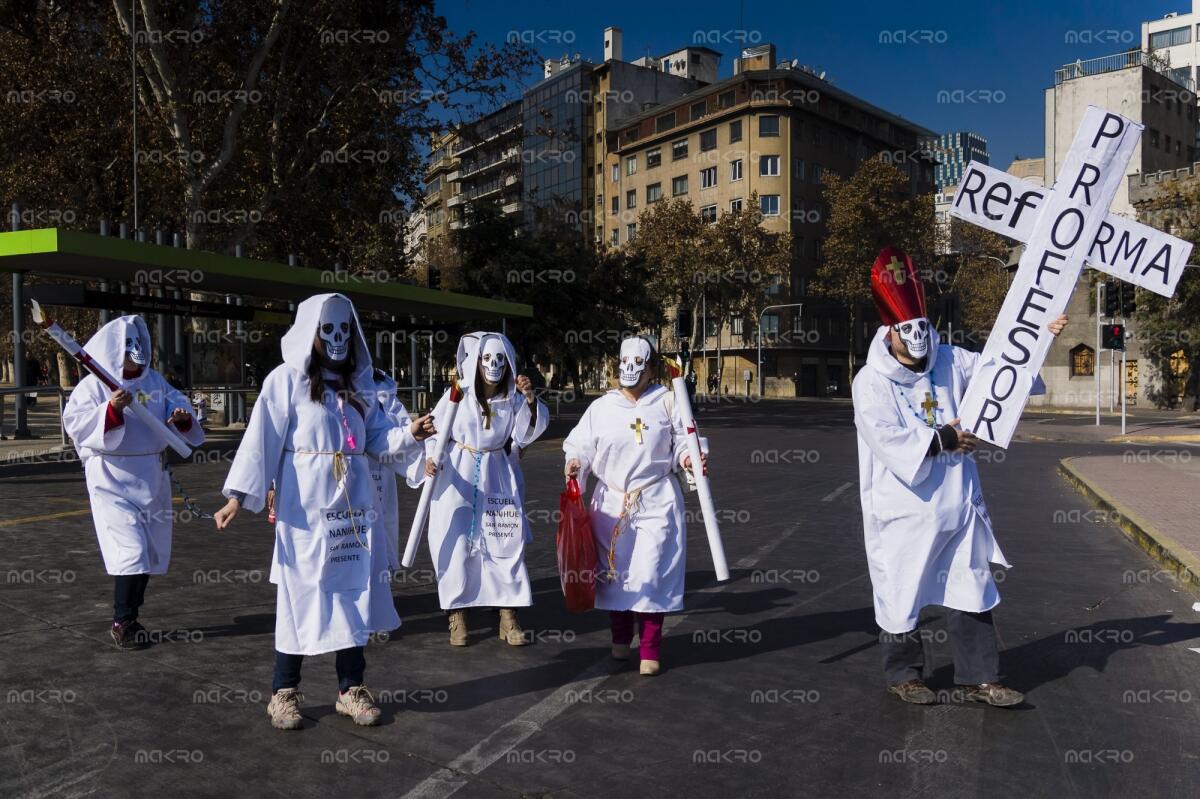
(1062, 235)
(1122, 248)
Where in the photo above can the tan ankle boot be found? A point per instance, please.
(510, 629)
(458, 628)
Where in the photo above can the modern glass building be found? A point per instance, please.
(953, 152)
(554, 151)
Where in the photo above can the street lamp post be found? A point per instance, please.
(799, 305)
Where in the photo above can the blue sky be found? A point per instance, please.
(1000, 55)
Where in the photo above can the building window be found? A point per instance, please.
(735, 170)
(679, 149)
(599, 200)
(616, 172)
(653, 193)
(679, 185)
(631, 198)
(769, 204)
(616, 236)
(1153, 137)
(631, 165)
(738, 325)
(616, 205)
(1168, 142)
(1083, 361)
(630, 231)
(1171, 38)
(768, 166)
(768, 126)
(708, 140)
(816, 174)
(798, 168)
(664, 122)
(708, 214)
(725, 99)
(653, 157)
(698, 109)
(816, 135)
(708, 177)
(735, 206)
(735, 131)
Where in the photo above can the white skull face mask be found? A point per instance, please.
(915, 335)
(493, 360)
(133, 348)
(334, 329)
(635, 357)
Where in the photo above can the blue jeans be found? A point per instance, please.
(129, 592)
(350, 664)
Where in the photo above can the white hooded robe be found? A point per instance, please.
(477, 524)
(651, 550)
(127, 480)
(384, 476)
(291, 441)
(926, 526)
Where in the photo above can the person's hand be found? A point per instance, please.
(227, 514)
(572, 468)
(430, 468)
(422, 427)
(180, 416)
(967, 441)
(1058, 324)
(687, 462)
(525, 386)
(120, 399)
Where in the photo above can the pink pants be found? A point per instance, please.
(649, 634)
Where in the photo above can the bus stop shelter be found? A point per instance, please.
(161, 279)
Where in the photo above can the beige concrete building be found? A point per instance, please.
(1030, 169)
(1140, 87)
(767, 135)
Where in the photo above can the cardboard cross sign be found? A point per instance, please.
(1062, 227)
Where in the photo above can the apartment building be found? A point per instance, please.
(767, 135)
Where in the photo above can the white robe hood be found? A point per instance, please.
(880, 357)
(469, 348)
(297, 343)
(107, 347)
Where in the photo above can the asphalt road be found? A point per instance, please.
(771, 684)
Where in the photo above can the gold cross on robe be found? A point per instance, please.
(928, 405)
(897, 270)
(637, 427)
(487, 415)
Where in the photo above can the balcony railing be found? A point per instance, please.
(1119, 61)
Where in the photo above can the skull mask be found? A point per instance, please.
(133, 348)
(915, 335)
(334, 329)
(635, 357)
(493, 360)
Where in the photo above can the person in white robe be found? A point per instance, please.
(315, 427)
(124, 463)
(384, 476)
(632, 440)
(477, 525)
(927, 531)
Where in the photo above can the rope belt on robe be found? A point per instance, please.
(629, 500)
(477, 454)
(341, 470)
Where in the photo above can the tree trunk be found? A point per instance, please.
(850, 345)
(64, 369)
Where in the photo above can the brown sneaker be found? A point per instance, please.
(284, 709)
(914, 692)
(510, 629)
(992, 693)
(130, 636)
(458, 628)
(649, 668)
(358, 704)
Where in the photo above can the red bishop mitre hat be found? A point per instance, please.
(898, 292)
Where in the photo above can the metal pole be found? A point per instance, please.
(1112, 379)
(1122, 392)
(1096, 360)
(431, 368)
(413, 365)
(133, 91)
(21, 422)
(704, 336)
(393, 345)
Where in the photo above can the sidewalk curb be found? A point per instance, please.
(1135, 438)
(1154, 542)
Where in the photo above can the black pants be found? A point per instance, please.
(350, 664)
(972, 639)
(129, 592)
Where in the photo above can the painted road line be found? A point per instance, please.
(834, 494)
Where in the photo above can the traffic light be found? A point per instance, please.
(1112, 337)
(1112, 298)
(1128, 299)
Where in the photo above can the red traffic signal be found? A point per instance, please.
(1112, 337)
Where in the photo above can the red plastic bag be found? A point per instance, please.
(576, 550)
